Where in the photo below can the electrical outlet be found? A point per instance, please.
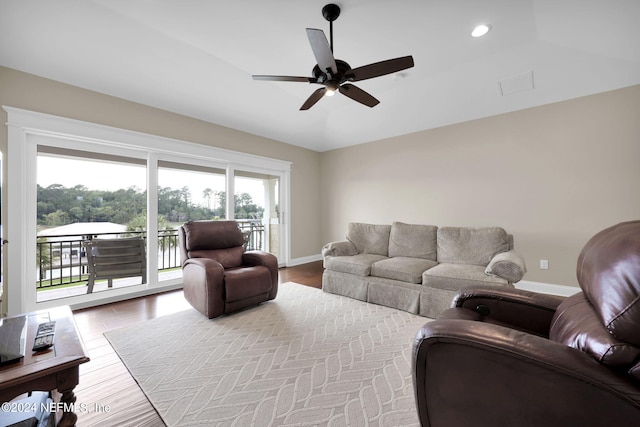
(544, 264)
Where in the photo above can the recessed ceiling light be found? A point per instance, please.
(480, 30)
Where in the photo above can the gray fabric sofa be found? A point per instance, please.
(418, 268)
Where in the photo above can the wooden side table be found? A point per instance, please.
(55, 369)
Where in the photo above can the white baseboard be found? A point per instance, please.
(304, 260)
(547, 288)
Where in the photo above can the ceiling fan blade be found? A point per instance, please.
(380, 68)
(357, 94)
(315, 97)
(284, 78)
(322, 50)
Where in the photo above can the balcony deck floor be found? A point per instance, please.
(100, 286)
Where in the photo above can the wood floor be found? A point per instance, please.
(106, 389)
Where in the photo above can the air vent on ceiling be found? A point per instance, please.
(514, 84)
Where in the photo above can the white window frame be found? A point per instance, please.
(27, 129)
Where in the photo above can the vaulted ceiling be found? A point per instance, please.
(196, 57)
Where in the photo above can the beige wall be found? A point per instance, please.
(29, 92)
(552, 176)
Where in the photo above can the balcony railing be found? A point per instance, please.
(61, 259)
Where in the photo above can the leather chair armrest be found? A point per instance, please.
(206, 264)
(339, 248)
(203, 285)
(502, 376)
(253, 258)
(523, 310)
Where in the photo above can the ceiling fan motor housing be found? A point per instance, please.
(325, 76)
(331, 12)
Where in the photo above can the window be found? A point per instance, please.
(179, 181)
(75, 203)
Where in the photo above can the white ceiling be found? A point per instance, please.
(196, 57)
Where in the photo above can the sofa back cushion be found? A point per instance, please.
(205, 235)
(411, 240)
(471, 245)
(219, 240)
(369, 238)
(229, 258)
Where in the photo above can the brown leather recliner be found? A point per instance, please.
(219, 276)
(507, 357)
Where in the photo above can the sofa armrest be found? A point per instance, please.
(468, 371)
(517, 308)
(507, 265)
(339, 248)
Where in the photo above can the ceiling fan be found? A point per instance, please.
(335, 74)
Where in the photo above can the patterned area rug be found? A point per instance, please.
(305, 358)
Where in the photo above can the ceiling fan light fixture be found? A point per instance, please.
(331, 89)
(480, 30)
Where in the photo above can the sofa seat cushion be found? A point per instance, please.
(247, 282)
(471, 245)
(404, 269)
(458, 276)
(359, 265)
(413, 240)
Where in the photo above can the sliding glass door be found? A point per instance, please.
(82, 196)
(256, 202)
(71, 181)
(186, 192)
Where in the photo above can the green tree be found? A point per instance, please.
(57, 218)
(166, 237)
(76, 214)
(245, 208)
(220, 211)
(58, 205)
(207, 193)
(138, 224)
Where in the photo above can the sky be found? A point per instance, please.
(97, 175)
